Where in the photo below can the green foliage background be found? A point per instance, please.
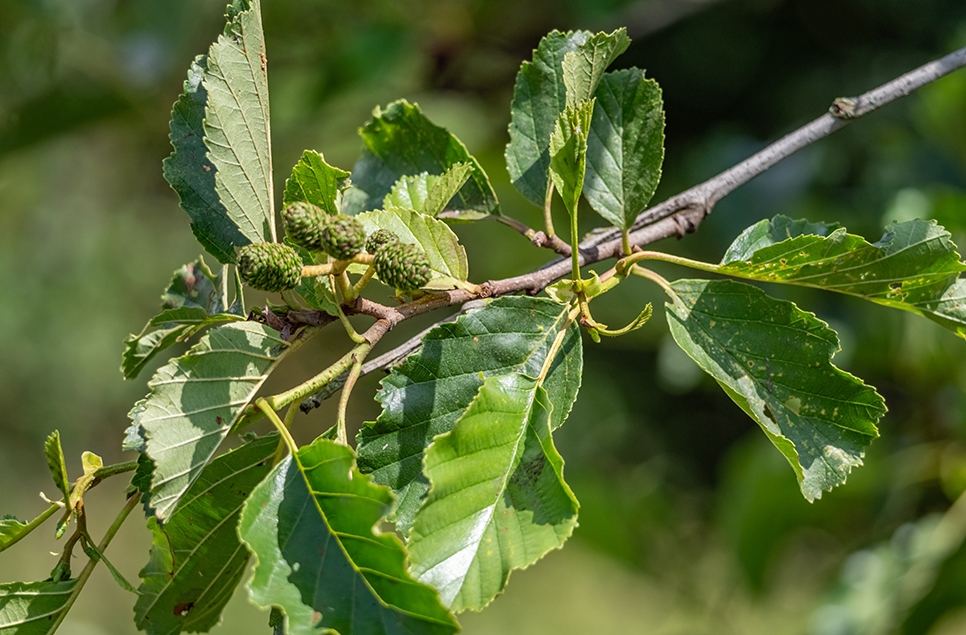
(690, 521)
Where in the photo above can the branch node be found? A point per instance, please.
(843, 108)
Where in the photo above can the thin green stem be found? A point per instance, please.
(557, 343)
(113, 470)
(350, 383)
(626, 242)
(548, 212)
(575, 252)
(361, 283)
(316, 383)
(654, 277)
(33, 524)
(625, 263)
(89, 569)
(262, 405)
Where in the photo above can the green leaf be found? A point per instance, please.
(428, 393)
(236, 123)
(774, 361)
(310, 524)
(401, 141)
(497, 501)
(447, 258)
(195, 399)
(196, 558)
(315, 181)
(585, 66)
(31, 608)
(428, 193)
(194, 300)
(568, 152)
(539, 96)
(625, 149)
(914, 267)
(56, 463)
(192, 175)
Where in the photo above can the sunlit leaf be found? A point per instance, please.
(31, 608)
(315, 181)
(497, 499)
(400, 141)
(196, 558)
(56, 464)
(914, 266)
(194, 299)
(428, 393)
(428, 193)
(584, 67)
(191, 174)
(539, 96)
(625, 149)
(774, 360)
(568, 152)
(236, 123)
(194, 401)
(447, 258)
(310, 525)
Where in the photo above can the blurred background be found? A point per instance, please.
(690, 522)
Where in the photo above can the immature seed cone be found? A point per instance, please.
(301, 222)
(379, 238)
(342, 236)
(403, 266)
(270, 266)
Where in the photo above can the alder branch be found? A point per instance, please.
(679, 215)
(703, 197)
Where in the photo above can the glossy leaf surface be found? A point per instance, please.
(430, 391)
(428, 193)
(310, 525)
(194, 401)
(774, 361)
(914, 266)
(497, 499)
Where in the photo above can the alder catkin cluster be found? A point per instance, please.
(278, 267)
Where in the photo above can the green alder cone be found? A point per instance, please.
(402, 266)
(301, 221)
(270, 266)
(379, 239)
(342, 236)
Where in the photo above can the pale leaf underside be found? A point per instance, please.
(31, 608)
(237, 131)
(194, 401)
